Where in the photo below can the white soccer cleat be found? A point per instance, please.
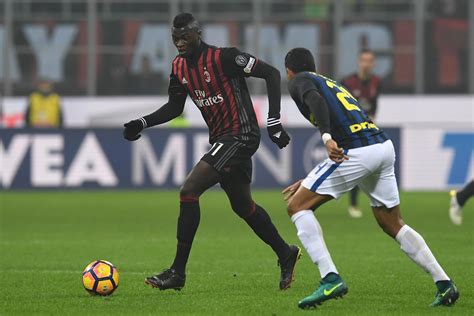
(354, 212)
(455, 210)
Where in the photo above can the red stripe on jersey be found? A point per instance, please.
(215, 123)
(198, 86)
(201, 75)
(174, 66)
(211, 70)
(215, 86)
(218, 86)
(186, 75)
(179, 70)
(224, 123)
(230, 95)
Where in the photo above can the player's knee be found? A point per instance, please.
(243, 210)
(184, 191)
(293, 207)
(189, 192)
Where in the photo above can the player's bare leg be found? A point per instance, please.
(202, 177)
(301, 203)
(238, 192)
(354, 210)
(458, 199)
(390, 220)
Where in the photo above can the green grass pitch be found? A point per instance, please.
(47, 238)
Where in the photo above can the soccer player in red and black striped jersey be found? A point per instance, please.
(365, 86)
(214, 78)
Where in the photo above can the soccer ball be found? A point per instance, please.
(100, 277)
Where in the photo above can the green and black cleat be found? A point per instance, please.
(446, 297)
(169, 279)
(287, 267)
(331, 287)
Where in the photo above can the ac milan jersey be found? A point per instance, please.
(366, 91)
(214, 78)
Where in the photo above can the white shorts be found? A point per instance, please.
(370, 167)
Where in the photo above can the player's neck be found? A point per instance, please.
(364, 75)
(196, 51)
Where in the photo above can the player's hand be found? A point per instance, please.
(289, 191)
(276, 132)
(335, 153)
(132, 130)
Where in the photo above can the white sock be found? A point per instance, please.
(311, 236)
(416, 248)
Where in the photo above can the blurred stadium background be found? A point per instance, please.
(109, 61)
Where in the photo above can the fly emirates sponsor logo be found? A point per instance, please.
(202, 100)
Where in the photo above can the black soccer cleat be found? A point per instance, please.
(166, 280)
(288, 267)
(447, 297)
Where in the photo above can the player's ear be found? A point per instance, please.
(289, 73)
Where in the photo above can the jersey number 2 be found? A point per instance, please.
(344, 96)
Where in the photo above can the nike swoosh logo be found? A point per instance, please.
(444, 294)
(328, 292)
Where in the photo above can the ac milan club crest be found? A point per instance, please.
(207, 76)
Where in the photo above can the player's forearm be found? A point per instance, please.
(164, 114)
(319, 109)
(273, 80)
(274, 93)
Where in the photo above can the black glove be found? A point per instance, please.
(133, 128)
(277, 133)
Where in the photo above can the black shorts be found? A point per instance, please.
(231, 156)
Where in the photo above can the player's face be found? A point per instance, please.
(366, 63)
(186, 40)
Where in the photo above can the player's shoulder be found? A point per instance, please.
(55, 96)
(307, 77)
(302, 82)
(227, 48)
(237, 59)
(176, 59)
(229, 52)
(175, 64)
(304, 76)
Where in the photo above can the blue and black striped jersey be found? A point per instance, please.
(349, 124)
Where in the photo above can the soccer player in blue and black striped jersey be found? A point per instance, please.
(360, 153)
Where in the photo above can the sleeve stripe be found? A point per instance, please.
(271, 121)
(273, 124)
(142, 119)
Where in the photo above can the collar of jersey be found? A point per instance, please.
(195, 57)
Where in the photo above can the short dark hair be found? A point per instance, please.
(300, 59)
(185, 19)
